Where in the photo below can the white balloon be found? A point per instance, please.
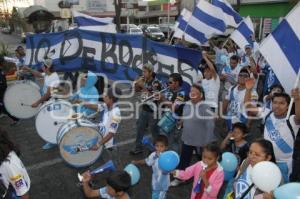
(266, 176)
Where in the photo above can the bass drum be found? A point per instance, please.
(75, 141)
(51, 116)
(18, 98)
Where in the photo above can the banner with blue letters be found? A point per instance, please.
(119, 56)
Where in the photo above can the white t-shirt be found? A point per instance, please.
(50, 81)
(211, 89)
(13, 172)
(110, 123)
(236, 105)
(282, 139)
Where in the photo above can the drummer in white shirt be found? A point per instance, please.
(50, 80)
(111, 118)
(210, 83)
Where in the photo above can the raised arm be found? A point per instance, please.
(210, 64)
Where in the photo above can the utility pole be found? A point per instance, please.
(118, 13)
(238, 5)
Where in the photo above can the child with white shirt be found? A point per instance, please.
(160, 180)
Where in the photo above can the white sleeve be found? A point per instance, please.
(150, 160)
(115, 121)
(53, 81)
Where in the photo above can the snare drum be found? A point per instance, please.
(51, 116)
(18, 98)
(75, 140)
(167, 123)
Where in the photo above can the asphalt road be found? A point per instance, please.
(52, 178)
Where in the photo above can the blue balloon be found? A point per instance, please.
(134, 173)
(168, 161)
(228, 175)
(229, 161)
(288, 191)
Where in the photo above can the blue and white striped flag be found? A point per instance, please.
(232, 17)
(206, 21)
(87, 22)
(281, 49)
(182, 23)
(242, 36)
(119, 56)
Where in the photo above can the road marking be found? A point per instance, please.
(54, 161)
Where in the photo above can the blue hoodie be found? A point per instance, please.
(87, 93)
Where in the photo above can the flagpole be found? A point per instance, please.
(182, 34)
(184, 30)
(292, 100)
(171, 39)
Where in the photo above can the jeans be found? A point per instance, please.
(186, 156)
(174, 139)
(146, 119)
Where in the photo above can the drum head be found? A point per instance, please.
(19, 97)
(51, 117)
(75, 146)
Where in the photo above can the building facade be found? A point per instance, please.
(100, 8)
(265, 14)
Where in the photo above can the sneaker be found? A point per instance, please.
(48, 146)
(136, 151)
(175, 182)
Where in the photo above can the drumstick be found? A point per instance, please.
(79, 177)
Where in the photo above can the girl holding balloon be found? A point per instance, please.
(208, 174)
(243, 186)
